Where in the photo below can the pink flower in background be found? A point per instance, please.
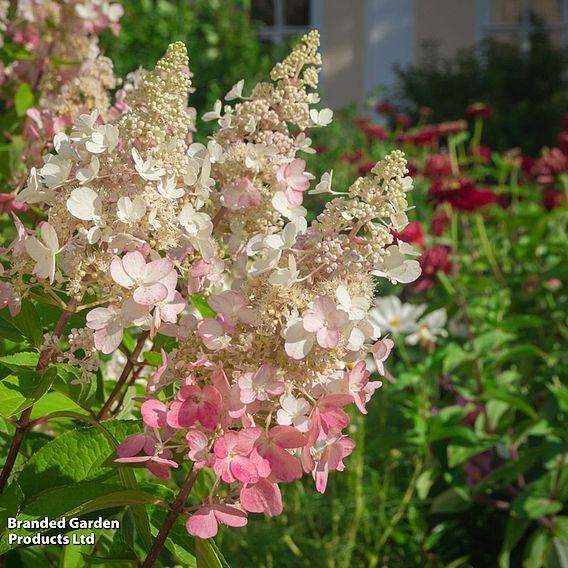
(294, 180)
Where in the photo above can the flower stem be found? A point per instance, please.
(175, 511)
(124, 375)
(488, 249)
(24, 422)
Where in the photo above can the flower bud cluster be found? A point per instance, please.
(271, 318)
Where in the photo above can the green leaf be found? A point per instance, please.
(534, 506)
(8, 331)
(208, 554)
(80, 455)
(69, 382)
(75, 500)
(450, 501)
(535, 549)
(202, 306)
(27, 322)
(19, 392)
(153, 358)
(454, 357)
(23, 99)
(423, 484)
(514, 531)
(16, 361)
(511, 399)
(558, 557)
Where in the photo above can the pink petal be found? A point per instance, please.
(158, 269)
(154, 413)
(262, 497)
(244, 470)
(230, 516)
(108, 339)
(284, 466)
(202, 523)
(312, 321)
(118, 273)
(150, 294)
(131, 446)
(327, 338)
(181, 415)
(294, 197)
(287, 437)
(161, 471)
(134, 264)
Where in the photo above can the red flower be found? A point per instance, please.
(432, 260)
(478, 110)
(352, 157)
(403, 120)
(439, 223)
(366, 167)
(413, 233)
(403, 138)
(426, 137)
(375, 132)
(321, 148)
(550, 166)
(361, 123)
(484, 153)
(452, 127)
(437, 166)
(461, 194)
(425, 111)
(385, 108)
(553, 198)
(563, 141)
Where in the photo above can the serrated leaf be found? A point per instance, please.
(19, 392)
(27, 322)
(80, 455)
(69, 382)
(76, 500)
(16, 361)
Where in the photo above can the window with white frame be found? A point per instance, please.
(281, 19)
(513, 21)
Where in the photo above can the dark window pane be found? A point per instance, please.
(263, 11)
(297, 12)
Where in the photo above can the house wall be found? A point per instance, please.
(447, 25)
(343, 51)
